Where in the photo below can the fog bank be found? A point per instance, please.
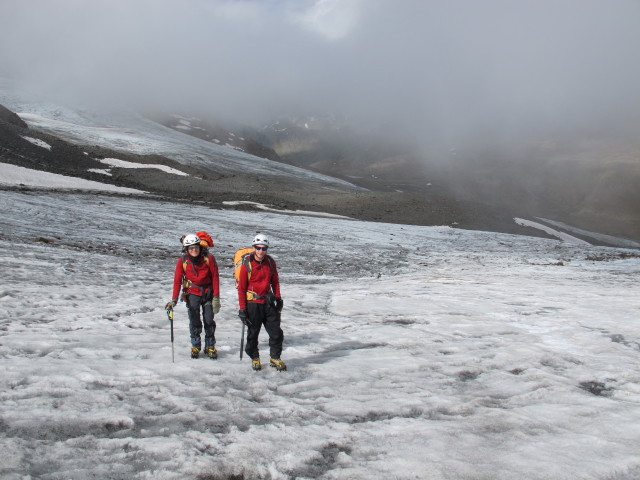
(441, 74)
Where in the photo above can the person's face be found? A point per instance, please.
(261, 251)
(194, 250)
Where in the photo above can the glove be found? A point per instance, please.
(279, 304)
(244, 318)
(170, 305)
(215, 305)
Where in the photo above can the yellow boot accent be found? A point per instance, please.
(211, 352)
(277, 364)
(255, 364)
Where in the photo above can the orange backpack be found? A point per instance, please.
(206, 240)
(242, 255)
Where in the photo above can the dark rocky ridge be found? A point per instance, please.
(11, 118)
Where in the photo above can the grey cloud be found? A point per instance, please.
(440, 71)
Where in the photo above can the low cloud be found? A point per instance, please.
(442, 73)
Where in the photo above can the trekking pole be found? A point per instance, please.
(242, 341)
(170, 315)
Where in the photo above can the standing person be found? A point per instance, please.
(260, 302)
(197, 273)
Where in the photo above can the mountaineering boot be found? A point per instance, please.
(211, 352)
(255, 364)
(195, 352)
(277, 364)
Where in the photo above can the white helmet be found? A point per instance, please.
(260, 239)
(191, 239)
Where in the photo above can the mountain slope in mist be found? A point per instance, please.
(589, 180)
(82, 140)
(213, 173)
(217, 133)
(323, 164)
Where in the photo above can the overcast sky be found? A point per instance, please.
(448, 68)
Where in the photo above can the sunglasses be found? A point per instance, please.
(260, 248)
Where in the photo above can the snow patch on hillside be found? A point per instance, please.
(612, 240)
(114, 162)
(267, 208)
(551, 231)
(101, 171)
(15, 175)
(38, 142)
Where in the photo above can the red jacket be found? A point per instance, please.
(264, 277)
(203, 274)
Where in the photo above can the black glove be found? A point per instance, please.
(244, 318)
(279, 304)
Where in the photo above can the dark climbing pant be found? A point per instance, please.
(263, 314)
(196, 303)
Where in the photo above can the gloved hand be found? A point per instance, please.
(244, 318)
(215, 305)
(170, 305)
(279, 304)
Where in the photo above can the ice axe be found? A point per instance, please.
(242, 341)
(170, 315)
(243, 317)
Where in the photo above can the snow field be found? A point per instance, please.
(413, 352)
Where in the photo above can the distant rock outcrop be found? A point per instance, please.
(8, 116)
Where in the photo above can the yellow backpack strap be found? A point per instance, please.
(185, 283)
